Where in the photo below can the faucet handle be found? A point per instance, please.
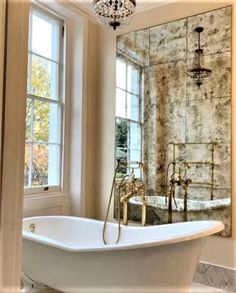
(131, 176)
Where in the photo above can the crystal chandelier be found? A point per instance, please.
(114, 13)
(199, 72)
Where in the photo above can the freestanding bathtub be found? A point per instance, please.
(68, 254)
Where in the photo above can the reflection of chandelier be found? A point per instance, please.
(198, 72)
(114, 13)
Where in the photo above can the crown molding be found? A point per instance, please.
(86, 5)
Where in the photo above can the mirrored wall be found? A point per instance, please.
(178, 129)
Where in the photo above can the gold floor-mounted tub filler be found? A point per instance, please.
(132, 188)
(179, 176)
(129, 186)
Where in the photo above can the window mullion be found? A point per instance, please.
(43, 57)
(60, 65)
(126, 111)
(30, 32)
(30, 164)
(29, 71)
(32, 120)
(31, 145)
(129, 92)
(43, 99)
(44, 142)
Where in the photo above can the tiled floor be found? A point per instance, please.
(199, 288)
(196, 288)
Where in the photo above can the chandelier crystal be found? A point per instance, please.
(114, 13)
(199, 72)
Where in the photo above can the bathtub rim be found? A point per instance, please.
(216, 226)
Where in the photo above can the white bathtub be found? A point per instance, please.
(68, 254)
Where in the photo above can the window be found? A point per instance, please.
(128, 112)
(45, 102)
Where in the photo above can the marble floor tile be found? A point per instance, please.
(199, 288)
(47, 290)
(195, 288)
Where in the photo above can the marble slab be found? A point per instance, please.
(167, 82)
(223, 166)
(215, 86)
(135, 46)
(168, 42)
(209, 120)
(171, 123)
(176, 110)
(157, 211)
(216, 37)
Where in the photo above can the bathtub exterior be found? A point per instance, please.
(149, 259)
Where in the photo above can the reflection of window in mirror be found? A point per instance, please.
(128, 113)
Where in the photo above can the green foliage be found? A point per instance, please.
(121, 133)
(38, 84)
(41, 121)
(40, 78)
(121, 144)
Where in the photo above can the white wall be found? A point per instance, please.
(218, 250)
(12, 144)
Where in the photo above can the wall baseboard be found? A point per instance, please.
(216, 276)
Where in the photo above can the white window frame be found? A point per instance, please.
(47, 189)
(74, 158)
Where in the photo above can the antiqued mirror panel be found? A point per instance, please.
(173, 131)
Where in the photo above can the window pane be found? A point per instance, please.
(135, 136)
(121, 133)
(133, 80)
(120, 103)
(27, 165)
(40, 165)
(47, 122)
(54, 163)
(28, 122)
(121, 153)
(43, 78)
(121, 74)
(45, 35)
(135, 156)
(132, 107)
(46, 165)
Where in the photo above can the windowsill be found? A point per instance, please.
(42, 190)
(45, 195)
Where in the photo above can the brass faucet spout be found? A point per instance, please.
(126, 197)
